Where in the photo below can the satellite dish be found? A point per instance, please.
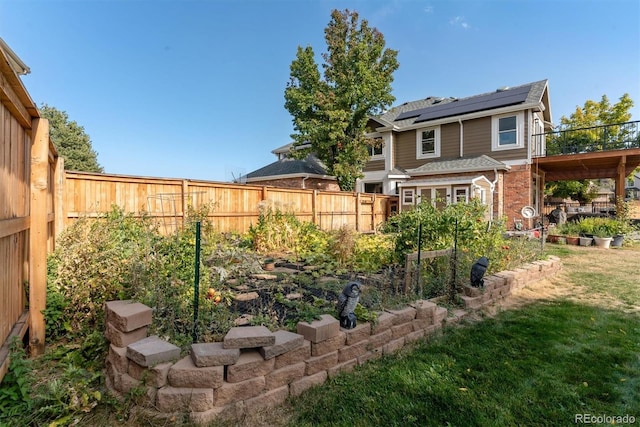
(528, 212)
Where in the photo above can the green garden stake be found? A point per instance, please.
(196, 284)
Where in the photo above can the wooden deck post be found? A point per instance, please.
(38, 234)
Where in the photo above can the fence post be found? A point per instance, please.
(38, 234)
(358, 212)
(58, 205)
(314, 213)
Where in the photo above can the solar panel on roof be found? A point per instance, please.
(469, 105)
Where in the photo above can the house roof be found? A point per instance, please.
(310, 165)
(434, 108)
(445, 181)
(465, 164)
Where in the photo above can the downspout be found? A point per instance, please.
(461, 138)
(492, 187)
(303, 180)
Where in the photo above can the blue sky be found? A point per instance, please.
(194, 89)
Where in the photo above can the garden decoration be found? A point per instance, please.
(347, 302)
(477, 271)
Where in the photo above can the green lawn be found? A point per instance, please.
(541, 364)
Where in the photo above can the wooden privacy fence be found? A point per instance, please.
(29, 172)
(234, 207)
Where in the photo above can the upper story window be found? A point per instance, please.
(376, 149)
(428, 143)
(508, 131)
(408, 196)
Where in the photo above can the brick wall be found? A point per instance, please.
(517, 194)
(254, 368)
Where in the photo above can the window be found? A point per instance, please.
(461, 194)
(375, 150)
(507, 132)
(408, 196)
(373, 187)
(428, 143)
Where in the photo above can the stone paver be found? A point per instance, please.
(152, 351)
(213, 354)
(249, 337)
(285, 341)
(319, 330)
(127, 315)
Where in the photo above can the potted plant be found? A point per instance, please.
(603, 232)
(571, 231)
(585, 231)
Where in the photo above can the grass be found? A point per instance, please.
(540, 364)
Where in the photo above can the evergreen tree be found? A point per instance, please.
(71, 141)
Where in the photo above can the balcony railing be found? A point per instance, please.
(618, 136)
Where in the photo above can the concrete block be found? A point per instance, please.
(285, 341)
(248, 337)
(321, 363)
(172, 399)
(471, 303)
(401, 330)
(343, 367)
(419, 324)
(441, 314)
(127, 316)
(270, 399)
(298, 387)
(233, 392)
(403, 315)
(472, 291)
(424, 309)
(383, 322)
(370, 355)
(319, 330)
(250, 364)
(152, 351)
(155, 376)
(378, 340)
(414, 336)
(360, 333)
(123, 339)
(213, 354)
(353, 351)
(184, 373)
(330, 344)
(118, 358)
(292, 357)
(223, 414)
(284, 376)
(393, 346)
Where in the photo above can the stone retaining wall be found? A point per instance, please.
(254, 368)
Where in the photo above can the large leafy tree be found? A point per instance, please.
(330, 112)
(591, 114)
(71, 141)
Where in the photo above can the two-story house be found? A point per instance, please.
(448, 150)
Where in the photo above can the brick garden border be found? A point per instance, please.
(254, 368)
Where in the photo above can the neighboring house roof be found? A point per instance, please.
(468, 164)
(290, 168)
(434, 108)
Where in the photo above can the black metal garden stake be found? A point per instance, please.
(196, 284)
(419, 253)
(452, 285)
